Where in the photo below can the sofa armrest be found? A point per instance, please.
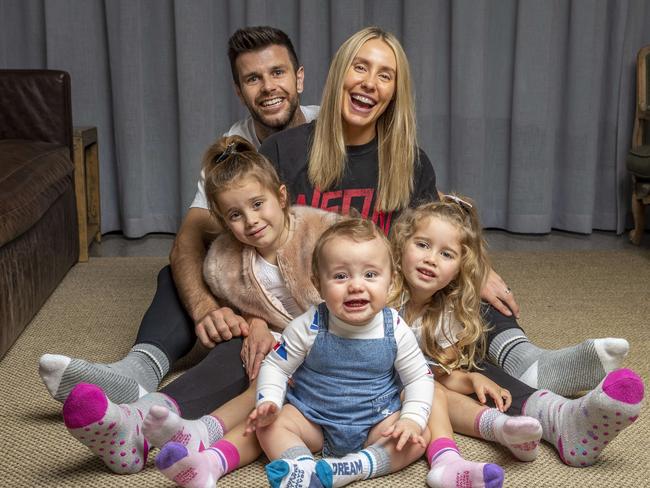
(35, 105)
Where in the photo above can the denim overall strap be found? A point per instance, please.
(388, 322)
(323, 317)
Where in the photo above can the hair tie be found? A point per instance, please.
(459, 201)
(230, 149)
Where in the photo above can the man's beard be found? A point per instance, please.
(277, 124)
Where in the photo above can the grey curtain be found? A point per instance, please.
(527, 106)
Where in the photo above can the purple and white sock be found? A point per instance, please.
(450, 470)
(197, 469)
(112, 432)
(580, 429)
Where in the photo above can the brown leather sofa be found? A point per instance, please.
(38, 215)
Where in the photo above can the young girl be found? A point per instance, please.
(258, 267)
(440, 254)
(349, 358)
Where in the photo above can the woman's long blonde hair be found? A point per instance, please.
(462, 295)
(396, 127)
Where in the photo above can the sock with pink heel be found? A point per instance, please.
(580, 429)
(450, 470)
(197, 469)
(112, 432)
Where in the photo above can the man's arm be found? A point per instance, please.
(213, 323)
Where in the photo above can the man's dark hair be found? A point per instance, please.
(254, 38)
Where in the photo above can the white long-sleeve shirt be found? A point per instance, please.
(299, 336)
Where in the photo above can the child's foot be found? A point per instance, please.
(580, 429)
(161, 426)
(293, 473)
(123, 382)
(449, 470)
(521, 435)
(190, 469)
(112, 432)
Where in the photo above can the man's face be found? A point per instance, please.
(269, 87)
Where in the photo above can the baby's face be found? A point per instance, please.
(355, 278)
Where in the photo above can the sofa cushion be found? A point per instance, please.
(32, 176)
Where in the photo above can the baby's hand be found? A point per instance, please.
(405, 430)
(262, 416)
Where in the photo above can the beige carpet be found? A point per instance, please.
(565, 298)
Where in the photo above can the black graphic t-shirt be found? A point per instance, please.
(289, 152)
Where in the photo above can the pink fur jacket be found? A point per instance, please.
(229, 269)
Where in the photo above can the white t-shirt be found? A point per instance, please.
(246, 129)
(447, 329)
(273, 282)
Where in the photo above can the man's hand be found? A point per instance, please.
(484, 386)
(221, 324)
(257, 344)
(405, 430)
(499, 295)
(262, 416)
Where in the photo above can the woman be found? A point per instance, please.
(361, 152)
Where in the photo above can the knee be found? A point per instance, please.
(165, 275)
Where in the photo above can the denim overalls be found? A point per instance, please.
(347, 386)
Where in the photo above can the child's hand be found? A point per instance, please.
(484, 386)
(405, 430)
(262, 416)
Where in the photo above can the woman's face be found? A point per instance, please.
(368, 88)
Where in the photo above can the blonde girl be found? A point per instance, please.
(442, 261)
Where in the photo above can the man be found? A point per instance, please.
(268, 80)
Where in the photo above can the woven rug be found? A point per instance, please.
(565, 297)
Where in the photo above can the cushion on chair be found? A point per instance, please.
(638, 161)
(32, 176)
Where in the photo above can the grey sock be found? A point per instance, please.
(566, 371)
(123, 382)
(297, 452)
(512, 350)
(382, 460)
(145, 363)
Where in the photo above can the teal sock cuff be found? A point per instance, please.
(382, 460)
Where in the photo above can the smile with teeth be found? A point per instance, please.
(356, 303)
(272, 102)
(362, 101)
(426, 272)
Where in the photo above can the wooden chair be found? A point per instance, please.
(638, 159)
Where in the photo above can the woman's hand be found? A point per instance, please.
(261, 416)
(218, 325)
(256, 346)
(484, 386)
(499, 295)
(405, 430)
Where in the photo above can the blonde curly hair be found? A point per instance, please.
(462, 295)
